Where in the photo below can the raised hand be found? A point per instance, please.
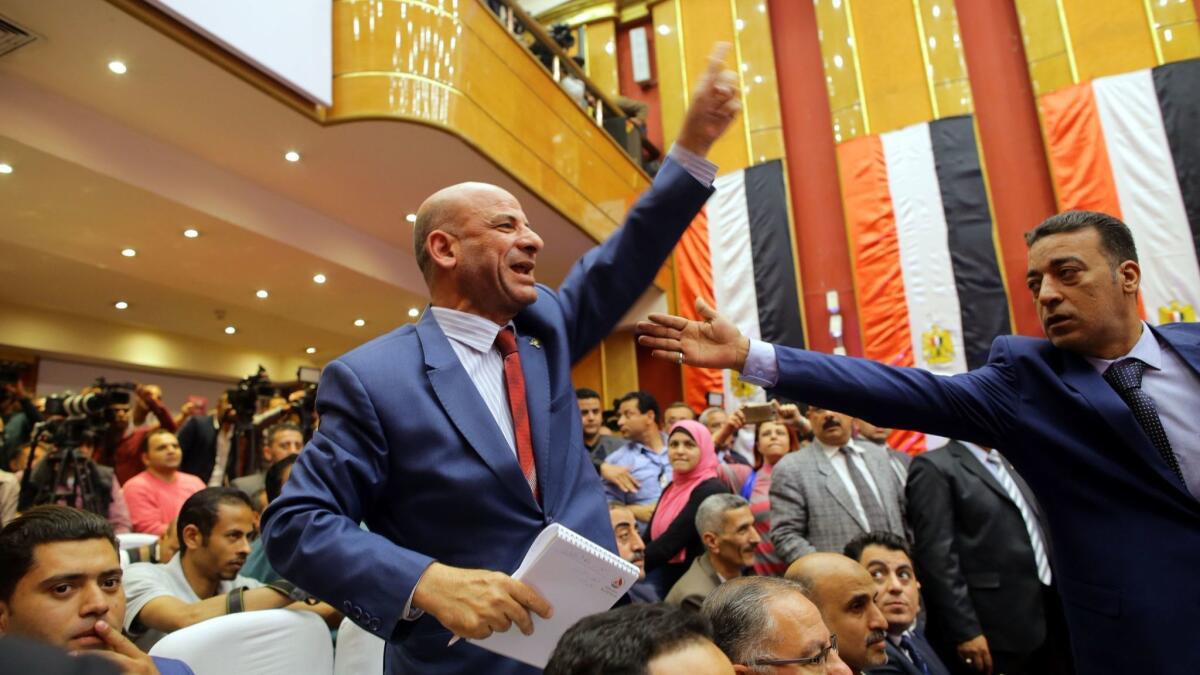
(715, 103)
(712, 343)
(123, 653)
(476, 603)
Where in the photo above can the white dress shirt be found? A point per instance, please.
(838, 458)
(1176, 393)
(224, 442)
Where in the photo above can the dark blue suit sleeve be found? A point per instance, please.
(608, 279)
(342, 471)
(979, 406)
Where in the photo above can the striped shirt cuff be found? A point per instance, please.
(700, 168)
(761, 367)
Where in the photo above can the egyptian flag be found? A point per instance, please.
(739, 256)
(930, 292)
(1129, 145)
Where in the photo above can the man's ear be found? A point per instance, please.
(742, 670)
(442, 248)
(711, 543)
(145, 458)
(191, 537)
(1129, 275)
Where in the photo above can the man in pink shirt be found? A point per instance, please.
(155, 495)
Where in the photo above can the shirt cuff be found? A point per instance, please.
(411, 613)
(761, 367)
(700, 168)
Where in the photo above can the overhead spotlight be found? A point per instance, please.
(191, 233)
(360, 323)
(6, 168)
(117, 67)
(412, 217)
(310, 350)
(230, 330)
(291, 156)
(319, 278)
(414, 312)
(128, 252)
(262, 294)
(121, 304)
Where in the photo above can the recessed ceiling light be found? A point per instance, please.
(360, 323)
(412, 217)
(310, 350)
(291, 156)
(319, 278)
(121, 304)
(230, 330)
(128, 252)
(117, 67)
(262, 294)
(5, 168)
(414, 312)
(191, 233)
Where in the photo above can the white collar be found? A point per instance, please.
(471, 330)
(832, 451)
(1146, 350)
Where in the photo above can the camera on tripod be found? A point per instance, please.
(69, 416)
(244, 397)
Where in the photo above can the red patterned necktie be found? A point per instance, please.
(514, 383)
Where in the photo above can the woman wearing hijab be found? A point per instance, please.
(673, 541)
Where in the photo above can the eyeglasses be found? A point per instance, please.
(806, 661)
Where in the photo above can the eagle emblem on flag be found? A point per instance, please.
(1174, 312)
(937, 345)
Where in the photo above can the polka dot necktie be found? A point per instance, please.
(1126, 377)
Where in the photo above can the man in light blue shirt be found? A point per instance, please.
(644, 454)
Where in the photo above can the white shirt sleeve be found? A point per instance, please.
(761, 367)
(143, 582)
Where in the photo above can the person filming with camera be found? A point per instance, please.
(123, 442)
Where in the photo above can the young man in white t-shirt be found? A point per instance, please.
(201, 581)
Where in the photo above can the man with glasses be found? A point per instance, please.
(845, 594)
(767, 625)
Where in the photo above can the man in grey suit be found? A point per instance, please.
(283, 439)
(726, 526)
(832, 490)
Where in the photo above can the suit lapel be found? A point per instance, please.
(880, 466)
(968, 460)
(833, 483)
(463, 405)
(1079, 375)
(1188, 350)
(537, 400)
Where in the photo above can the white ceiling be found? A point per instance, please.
(104, 161)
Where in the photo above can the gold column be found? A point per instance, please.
(601, 55)
(619, 365)
(1068, 41)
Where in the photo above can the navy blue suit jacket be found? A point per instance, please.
(407, 445)
(898, 662)
(1126, 530)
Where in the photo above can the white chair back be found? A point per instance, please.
(358, 652)
(267, 642)
(129, 540)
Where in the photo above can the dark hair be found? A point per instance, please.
(1115, 237)
(273, 480)
(201, 510)
(681, 404)
(282, 426)
(892, 542)
(645, 402)
(793, 440)
(584, 392)
(144, 446)
(623, 641)
(44, 524)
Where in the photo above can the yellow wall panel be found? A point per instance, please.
(851, 116)
(761, 93)
(620, 365)
(588, 372)
(1051, 62)
(706, 22)
(601, 57)
(893, 73)
(1109, 36)
(673, 84)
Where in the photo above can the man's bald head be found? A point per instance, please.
(445, 210)
(845, 593)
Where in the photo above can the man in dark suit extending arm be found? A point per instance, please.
(458, 439)
(1106, 410)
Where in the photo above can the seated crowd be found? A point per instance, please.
(790, 545)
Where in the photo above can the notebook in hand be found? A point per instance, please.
(577, 577)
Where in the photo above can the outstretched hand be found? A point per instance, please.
(712, 343)
(715, 104)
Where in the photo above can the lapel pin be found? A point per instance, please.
(535, 343)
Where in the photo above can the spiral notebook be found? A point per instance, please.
(577, 577)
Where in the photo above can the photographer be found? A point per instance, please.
(124, 440)
(69, 477)
(19, 415)
(207, 444)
